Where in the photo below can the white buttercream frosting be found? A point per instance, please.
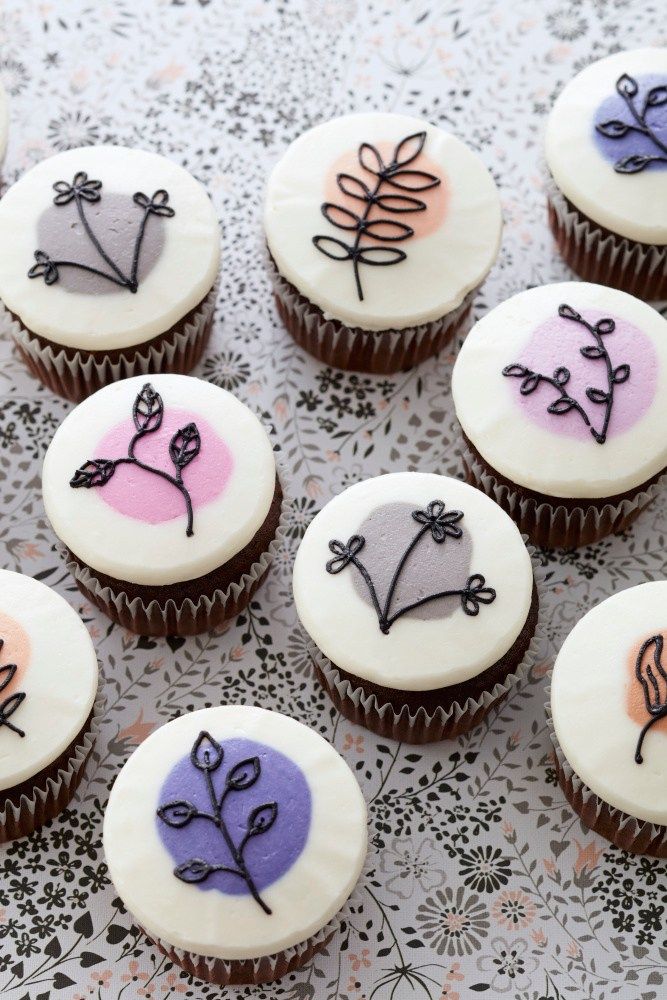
(126, 547)
(418, 653)
(181, 276)
(539, 456)
(593, 681)
(214, 923)
(56, 670)
(445, 263)
(633, 205)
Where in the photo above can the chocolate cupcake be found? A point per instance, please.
(608, 714)
(166, 497)
(235, 836)
(48, 713)
(606, 152)
(380, 227)
(108, 262)
(561, 393)
(418, 595)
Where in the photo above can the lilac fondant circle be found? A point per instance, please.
(146, 497)
(558, 342)
(268, 856)
(614, 108)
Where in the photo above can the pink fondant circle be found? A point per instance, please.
(146, 497)
(557, 343)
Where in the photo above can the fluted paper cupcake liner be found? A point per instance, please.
(380, 352)
(620, 828)
(188, 617)
(253, 971)
(552, 525)
(48, 799)
(421, 726)
(603, 257)
(77, 377)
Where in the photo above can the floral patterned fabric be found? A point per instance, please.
(480, 880)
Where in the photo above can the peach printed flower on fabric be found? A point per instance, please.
(513, 909)
(361, 961)
(174, 984)
(134, 975)
(355, 743)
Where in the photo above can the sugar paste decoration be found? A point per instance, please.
(184, 447)
(440, 524)
(651, 674)
(564, 403)
(206, 756)
(83, 190)
(640, 120)
(392, 175)
(13, 701)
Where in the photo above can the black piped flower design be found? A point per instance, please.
(82, 190)
(564, 402)
(628, 88)
(184, 447)
(652, 676)
(441, 524)
(206, 756)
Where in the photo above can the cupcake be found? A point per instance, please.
(561, 393)
(108, 261)
(418, 596)
(234, 836)
(606, 152)
(364, 193)
(609, 719)
(48, 717)
(166, 498)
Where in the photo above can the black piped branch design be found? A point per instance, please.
(440, 524)
(13, 701)
(184, 447)
(392, 175)
(628, 89)
(564, 403)
(83, 190)
(653, 680)
(207, 756)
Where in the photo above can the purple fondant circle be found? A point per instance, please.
(615, 108)
(268, 856)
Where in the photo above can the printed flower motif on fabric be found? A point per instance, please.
(82, 190)
(440, 524)
(651, 674)
(206, 756)
(392, 175)
(641, 121)
(564, 403)
(13, 701)
(184, 447)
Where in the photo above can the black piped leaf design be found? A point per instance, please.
(9, 706)
(82, 191)
(564, 402)
(651, 674)
(441, 524)
(184, 447)
(383, 229)
(628, 88)
(206, 756)
(94, 472)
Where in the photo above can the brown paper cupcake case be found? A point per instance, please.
(253, 971)
(625, 831)
(552, 525)
(603, 257)
(78, 376)
(381, 352)
(46, 801)
(420, 726)
(187, 618)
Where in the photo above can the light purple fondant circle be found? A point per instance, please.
(615, 108)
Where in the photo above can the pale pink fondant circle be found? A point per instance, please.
(146, 497)
(557, 343)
